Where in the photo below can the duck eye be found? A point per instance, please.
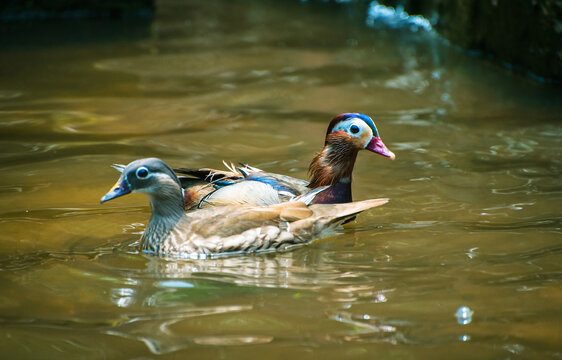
(354, 129)
(142, 172)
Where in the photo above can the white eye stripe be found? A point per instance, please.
(362, 135)
(353, 126)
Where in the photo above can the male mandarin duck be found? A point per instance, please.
(347, 134)
(174, 232)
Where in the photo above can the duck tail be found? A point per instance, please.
(327, 217)
(345, 210)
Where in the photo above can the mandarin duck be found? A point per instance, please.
(174, 232)
(347, 134)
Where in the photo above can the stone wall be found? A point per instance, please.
(523, 34)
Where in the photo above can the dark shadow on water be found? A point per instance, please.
(37, 34)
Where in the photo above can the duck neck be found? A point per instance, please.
(333, 166)
(167, 209)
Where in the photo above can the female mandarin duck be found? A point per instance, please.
(347, 134)
(174, 232)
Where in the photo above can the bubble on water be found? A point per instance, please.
(464, 315)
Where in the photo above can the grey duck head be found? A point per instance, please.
(150, 176)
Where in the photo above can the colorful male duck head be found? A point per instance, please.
(347, 134)
(359, 131)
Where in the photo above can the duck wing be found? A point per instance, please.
(218, 177)
(288, 187)
(244, 229)
(247, 192)
(243, 185)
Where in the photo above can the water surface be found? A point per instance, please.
(474, 218)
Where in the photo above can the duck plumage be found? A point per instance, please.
(216, 230)
(347, 134)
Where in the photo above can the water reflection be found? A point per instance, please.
(464, 315)
(294, 270)
(123, 297)
(183, 304)
(156, 333)
(184, 293)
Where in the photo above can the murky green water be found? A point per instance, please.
(474, 217)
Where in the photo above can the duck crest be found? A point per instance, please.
(344, 116)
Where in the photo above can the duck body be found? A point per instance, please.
(222, 230)
(347, 134)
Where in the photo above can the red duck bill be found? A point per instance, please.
(377, 146)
